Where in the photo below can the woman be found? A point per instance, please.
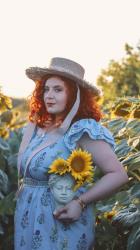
(63, 116)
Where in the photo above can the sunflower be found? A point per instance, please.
(78, 184)
(109, 215)
(80, 164)
(59, 166)
(85, 180)
(89, 177)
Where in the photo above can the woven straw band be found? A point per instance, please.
(32, 182)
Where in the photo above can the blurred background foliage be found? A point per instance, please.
(121, 78)
(117, 218)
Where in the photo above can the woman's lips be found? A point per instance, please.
(50, 104)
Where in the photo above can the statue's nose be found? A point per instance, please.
(64, 190)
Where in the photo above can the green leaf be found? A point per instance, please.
(104, 208)
(12, 160)
(123, 197)
(133, 127)
(132, 123)
(7, 205)
(134, 238)
(116, 125)
(4, 146)
(1, 230)
(134, 142)
(2, 161)
(132, 161)
(3, 181)
(122, 148)
(135, 190)
(14, 143)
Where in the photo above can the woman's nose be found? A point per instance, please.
(49, 94)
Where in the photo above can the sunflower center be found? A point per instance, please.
(78, 164)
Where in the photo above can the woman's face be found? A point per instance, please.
(55, 95)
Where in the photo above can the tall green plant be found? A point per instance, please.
(122, 78)
(118, 218)
(10, 137)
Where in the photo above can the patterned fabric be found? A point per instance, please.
(35, 226)
(94, 129)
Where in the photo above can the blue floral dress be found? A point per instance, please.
(35, 226)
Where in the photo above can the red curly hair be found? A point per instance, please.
(88, 108)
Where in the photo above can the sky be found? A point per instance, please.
(90, 32)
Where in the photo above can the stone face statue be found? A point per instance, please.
(61, 188)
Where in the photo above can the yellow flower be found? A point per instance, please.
(59, 166)
(89, 177)
(109, 215)
(80, 164)
(84, 180)
(78, 184)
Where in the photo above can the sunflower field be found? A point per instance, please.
(10, 137)
(117, 218)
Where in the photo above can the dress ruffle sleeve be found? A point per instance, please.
(94, 129)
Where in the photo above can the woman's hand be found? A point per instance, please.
(69, 213)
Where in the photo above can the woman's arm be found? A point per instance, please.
(114, 177)
(114, 173)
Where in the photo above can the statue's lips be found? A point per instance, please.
(64, 197)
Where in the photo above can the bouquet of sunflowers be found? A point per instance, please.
(79, 165)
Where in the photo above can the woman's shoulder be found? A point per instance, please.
(95, 130)
(88, 124)
(85, 122)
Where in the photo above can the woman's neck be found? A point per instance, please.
(59, 118)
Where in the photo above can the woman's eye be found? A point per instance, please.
(46, 90)
(58, 90)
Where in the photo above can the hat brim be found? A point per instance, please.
(36, 74)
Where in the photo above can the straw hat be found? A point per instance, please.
(63, 67)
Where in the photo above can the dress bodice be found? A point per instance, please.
(41, 161)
